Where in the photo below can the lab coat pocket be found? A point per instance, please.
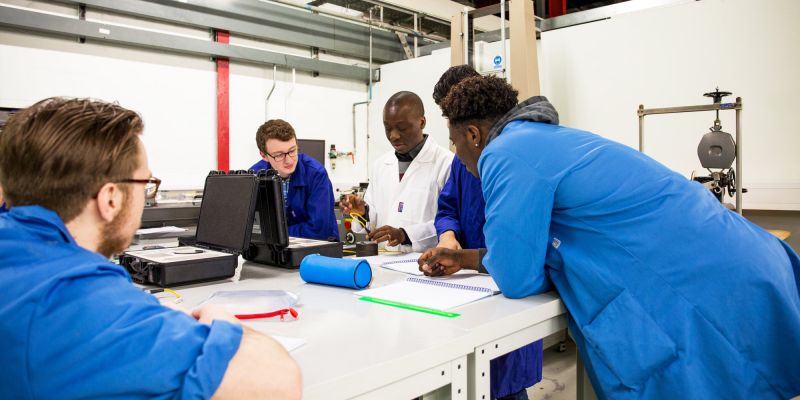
(629, 342)
(416, 206)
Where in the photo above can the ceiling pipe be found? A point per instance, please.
(363, 20)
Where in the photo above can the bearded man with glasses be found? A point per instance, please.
(307, 190)
(75, 174)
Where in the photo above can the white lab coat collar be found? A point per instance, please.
(426, 154)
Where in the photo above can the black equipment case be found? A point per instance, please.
(271, 244)
(223, 232)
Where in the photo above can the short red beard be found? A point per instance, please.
(113, 240)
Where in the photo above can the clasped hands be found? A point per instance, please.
(393, 236)
(442, 261)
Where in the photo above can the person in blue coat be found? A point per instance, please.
(626, 243)
(459, 224)
(307, 190)
(72, 324)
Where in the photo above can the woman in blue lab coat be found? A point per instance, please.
(307, 190)
(667, 290)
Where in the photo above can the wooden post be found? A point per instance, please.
(457, 49)
(524, 63)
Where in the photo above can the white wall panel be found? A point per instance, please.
(176, 96)
(597, 74)
(417, 75)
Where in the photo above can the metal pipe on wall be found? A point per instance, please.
(369, 92)
(416, 28)
(503, 37)
(266, 103)
(288, 94)
(739, 174)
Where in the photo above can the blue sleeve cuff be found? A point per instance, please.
(445, 224)
(222, 342)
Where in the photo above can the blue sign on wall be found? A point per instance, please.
(498, 61)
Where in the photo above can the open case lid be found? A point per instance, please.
(226, 213)
(272, 210)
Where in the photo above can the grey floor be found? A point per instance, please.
(558, 375)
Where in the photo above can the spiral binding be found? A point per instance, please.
(406, 261)
(449, 285)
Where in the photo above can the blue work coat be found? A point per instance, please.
(670, 295)
(461, 211)
(3, 208)
(461, 207)
(309, 207)
(73, 325)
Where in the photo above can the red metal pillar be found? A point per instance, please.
(223, 111)
(557, 7)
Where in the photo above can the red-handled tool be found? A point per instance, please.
(281, 313)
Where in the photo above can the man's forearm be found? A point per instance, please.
(481, 267)
(258, 354)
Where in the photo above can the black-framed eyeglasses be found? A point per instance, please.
(280, 156)
(150, 186)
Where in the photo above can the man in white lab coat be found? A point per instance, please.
(404, 185)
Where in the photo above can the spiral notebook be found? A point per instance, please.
(407, 264)
(437, 293)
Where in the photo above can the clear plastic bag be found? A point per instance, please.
(243, 303)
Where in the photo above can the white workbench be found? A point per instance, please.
(366, 350)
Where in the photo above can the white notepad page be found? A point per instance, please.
(438, 293)
(466, 277)
(406, 264)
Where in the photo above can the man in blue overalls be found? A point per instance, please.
(72, 324)
(307, 190)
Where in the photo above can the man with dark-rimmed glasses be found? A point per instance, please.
(73, 326)
(307, 190)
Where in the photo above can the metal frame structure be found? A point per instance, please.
(479, 360)
(523, 61)
(285, 23)
(564, 21)
(453, 373)
(737, 106)
(281, 22)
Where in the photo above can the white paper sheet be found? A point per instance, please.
(379, 260)
(162, 229)
(289, 343)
